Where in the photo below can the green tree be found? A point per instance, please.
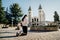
(16, 12)
(56, 16)
(2, 14)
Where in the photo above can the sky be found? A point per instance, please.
(48, 6)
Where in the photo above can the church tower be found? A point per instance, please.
(41, 16)
(29, 16)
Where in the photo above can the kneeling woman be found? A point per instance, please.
(24, 24)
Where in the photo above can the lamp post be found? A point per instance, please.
(12, 21)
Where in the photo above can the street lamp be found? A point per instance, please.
(12, 20)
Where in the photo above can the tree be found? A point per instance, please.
(2, 14)
(8, 16)
(56, 16)
(16, 12)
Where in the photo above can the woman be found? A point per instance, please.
(24, 24)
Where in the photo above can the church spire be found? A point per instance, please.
(29, 8)
(40, 7)
(29, 15)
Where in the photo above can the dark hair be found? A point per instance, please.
(24, 17)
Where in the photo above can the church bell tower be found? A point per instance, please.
(29, 16)
(41, 16)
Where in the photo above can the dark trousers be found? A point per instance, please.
(24, 29)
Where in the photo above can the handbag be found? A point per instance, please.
(21, 24)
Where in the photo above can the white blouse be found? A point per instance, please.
(25, 22)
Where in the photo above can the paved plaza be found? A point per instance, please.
(9, 34)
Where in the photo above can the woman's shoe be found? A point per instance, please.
(17, 34)
(22, 34)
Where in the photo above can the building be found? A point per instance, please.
(36, 21)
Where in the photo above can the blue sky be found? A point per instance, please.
(49, 6)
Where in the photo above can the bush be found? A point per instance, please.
(51, 26)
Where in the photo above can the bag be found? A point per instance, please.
(21, 24)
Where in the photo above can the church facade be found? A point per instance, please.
(36, 21)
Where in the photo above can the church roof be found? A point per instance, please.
(40, 7)
(29, 8)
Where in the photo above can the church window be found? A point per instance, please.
(37, 24)
(32, 20)
(35, 19)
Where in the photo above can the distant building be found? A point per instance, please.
(36, 21)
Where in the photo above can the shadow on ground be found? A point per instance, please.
(7, 36)
(42, 31)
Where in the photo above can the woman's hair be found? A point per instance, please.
(24, 17)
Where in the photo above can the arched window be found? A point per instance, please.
(37, 19)
(32, 20)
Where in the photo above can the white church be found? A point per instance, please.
(39, 23)
(36, 21)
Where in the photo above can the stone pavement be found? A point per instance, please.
(9, 34)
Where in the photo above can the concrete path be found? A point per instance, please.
(9, 34)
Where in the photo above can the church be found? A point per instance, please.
(36, 21)
(39, 23)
